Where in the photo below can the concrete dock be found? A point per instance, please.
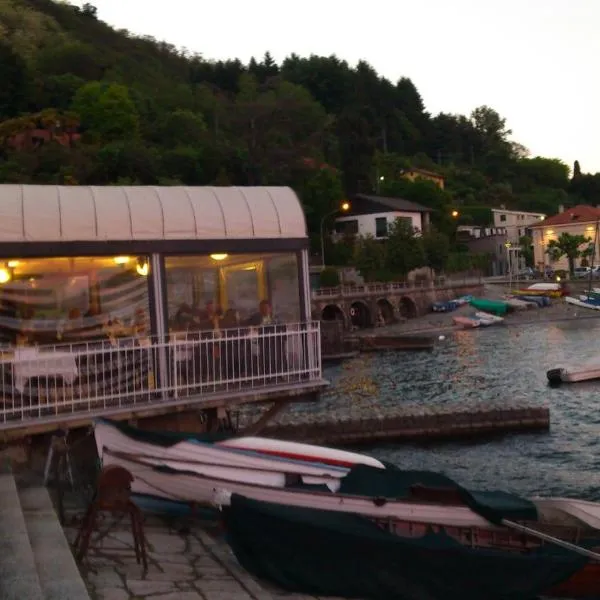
(185, 562)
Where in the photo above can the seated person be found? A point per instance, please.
(263, 317)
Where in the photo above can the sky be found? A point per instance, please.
(533, 61)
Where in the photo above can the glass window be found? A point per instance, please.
(227, 290)
(347, 227)
(502, 218)
(381, 227)
(70, 300)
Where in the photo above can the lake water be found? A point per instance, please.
(496, 366)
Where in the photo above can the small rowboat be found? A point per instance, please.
(466, 322)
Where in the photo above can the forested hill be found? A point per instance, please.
(83, 103)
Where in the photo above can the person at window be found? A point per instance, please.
(264, 316)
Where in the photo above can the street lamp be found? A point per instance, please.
(344, 207)
(454, 214)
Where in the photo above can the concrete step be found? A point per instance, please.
(56, 567)
(18, 574)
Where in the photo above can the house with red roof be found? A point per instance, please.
(578, 220)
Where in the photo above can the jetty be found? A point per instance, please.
(396, 425)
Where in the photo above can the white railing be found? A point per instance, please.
(370, 289)
(39, 383)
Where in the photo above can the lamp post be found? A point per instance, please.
(344, 207)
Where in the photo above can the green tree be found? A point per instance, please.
(404, 249)
(107, 111)
(13, 75)
(369, 258)
(436, 246)
(181, 127)
(526, 244)
(329, 277)
(567, 245)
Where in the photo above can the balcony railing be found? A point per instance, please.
(369, 289)
(52, 382)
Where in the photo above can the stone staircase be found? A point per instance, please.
(36, 562)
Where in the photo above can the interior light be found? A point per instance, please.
(218, 256)
(12, 264)
(4, 275)
(142, 267)
(121, 260)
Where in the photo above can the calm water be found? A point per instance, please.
(496, 366)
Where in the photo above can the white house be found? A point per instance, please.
(374, 214)
(516, 222)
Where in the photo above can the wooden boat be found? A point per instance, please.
(316, 552)
(466, 322)
(495, 307)
(379, 343)
(193, 472)
(575, 373)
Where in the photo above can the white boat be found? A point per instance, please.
(581, 303)
(302, 452)
(573, 374)
(208, 459)
(195, 475)
(518, 304)
(488, 318)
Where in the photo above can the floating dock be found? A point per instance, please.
(438, 425)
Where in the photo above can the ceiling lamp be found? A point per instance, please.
(142, 267)
(121, 260)
(5, 275)
(11, 264)
(218, 256)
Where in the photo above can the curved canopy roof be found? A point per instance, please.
(49, 213)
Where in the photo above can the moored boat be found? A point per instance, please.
(466, 322)
(331, 554)
(496, 307)
(487, 318)
(554, 290)
(575, 373)
(582, 303)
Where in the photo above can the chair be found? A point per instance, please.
(113, 495)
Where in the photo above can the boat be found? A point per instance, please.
(581, 303)
(553, 290)
(209, 454)
(488, 318)
(450, 305)
(496, 307)
(518, 304)
(575, 373)
(380, 343)
(192, 472)
(327, 553)
(466, 322)
(539, 301)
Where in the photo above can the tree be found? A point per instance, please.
(107, 111)
(436, 246)
(576, 169)
(526, 245)
(405, 250)
(13, 75)
(369, 258)
(567, 245)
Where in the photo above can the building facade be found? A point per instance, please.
(517, 223)
(578, 220)
(373, 215)
(487, 240)
(115, 296)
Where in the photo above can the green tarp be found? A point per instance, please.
(392, 483)
(326, 553)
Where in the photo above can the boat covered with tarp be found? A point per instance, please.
(326, 553)
(495, 307)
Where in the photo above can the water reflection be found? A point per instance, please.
(495, 366)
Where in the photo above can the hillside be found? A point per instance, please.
(110, 107)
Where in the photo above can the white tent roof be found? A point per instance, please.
(49, 213)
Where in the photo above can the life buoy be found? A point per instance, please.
(352, 312)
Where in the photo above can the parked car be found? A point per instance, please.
(582, 272)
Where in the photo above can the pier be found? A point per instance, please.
(394, 425)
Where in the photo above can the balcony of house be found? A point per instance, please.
(94, 322)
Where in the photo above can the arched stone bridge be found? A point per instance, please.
(374, 304)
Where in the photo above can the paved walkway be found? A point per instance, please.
(185, 563)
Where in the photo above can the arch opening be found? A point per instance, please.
(332, 312)
(385, 312)
(407, 307)
(360, 316)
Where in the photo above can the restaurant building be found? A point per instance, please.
(119, 298)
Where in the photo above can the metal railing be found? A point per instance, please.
(100, 377)
(371, 289)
